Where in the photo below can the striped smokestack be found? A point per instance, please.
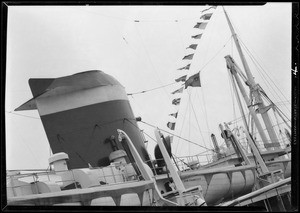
(80, 114)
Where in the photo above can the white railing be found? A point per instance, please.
(25, 179)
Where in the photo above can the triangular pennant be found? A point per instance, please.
(176, 101)
(197, 36)
(212, 7)
(188, 57)
(182, 78)
(193, 81)
(178, 91)
(185, 67)
(206, 16)
(171, 125)
(192, 46)
(174, 114)
(201, 25)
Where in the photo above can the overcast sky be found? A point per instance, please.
(55, 41)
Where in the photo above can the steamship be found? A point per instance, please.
(100, 158)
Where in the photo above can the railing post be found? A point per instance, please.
(74, 179)
(112, 171)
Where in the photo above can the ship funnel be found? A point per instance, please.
(79, 112)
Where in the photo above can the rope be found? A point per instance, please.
(205, 111)
(215, 54)
(144, 91)
(36, 160)
(10, 112)
(198, 123)
(181, 127)
(266, 96)
(149, 58)
(262, 69)
(177, 136)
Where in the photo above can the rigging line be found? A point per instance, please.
(266, 96)
(144, 91)
(181, 39)
(10, 112)
(267, 83)
(253, 57)
(239, 118)
(205, 111)
(139, 109)
(177, 20)
(157, 76)
(180, 160)
(149, 136)
(176, 136)
(140, 129)
(215, 54)
(181, 127)
(137, 20)
(104, 15)
(262, 69)
(271, 126)
(279, 110)
(200, 153)
(26, 144)
(213, 31)
(279, 127)
(197, 121)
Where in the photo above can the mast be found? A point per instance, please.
(231, 65)
(232, 68)
(255, 92)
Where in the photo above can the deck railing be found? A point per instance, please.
(29, 177)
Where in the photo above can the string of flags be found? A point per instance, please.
(192, 80)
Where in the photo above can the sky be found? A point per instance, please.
(142, 47)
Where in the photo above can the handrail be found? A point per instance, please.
(257, 192)
(51, 175)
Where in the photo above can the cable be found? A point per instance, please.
(215, 54)
(181, 127)
(10, 112)
(144, 91)
(176, 136)
(198, 123)
(262, 69)
(26, 144)
(149, 58)
(205, 111)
